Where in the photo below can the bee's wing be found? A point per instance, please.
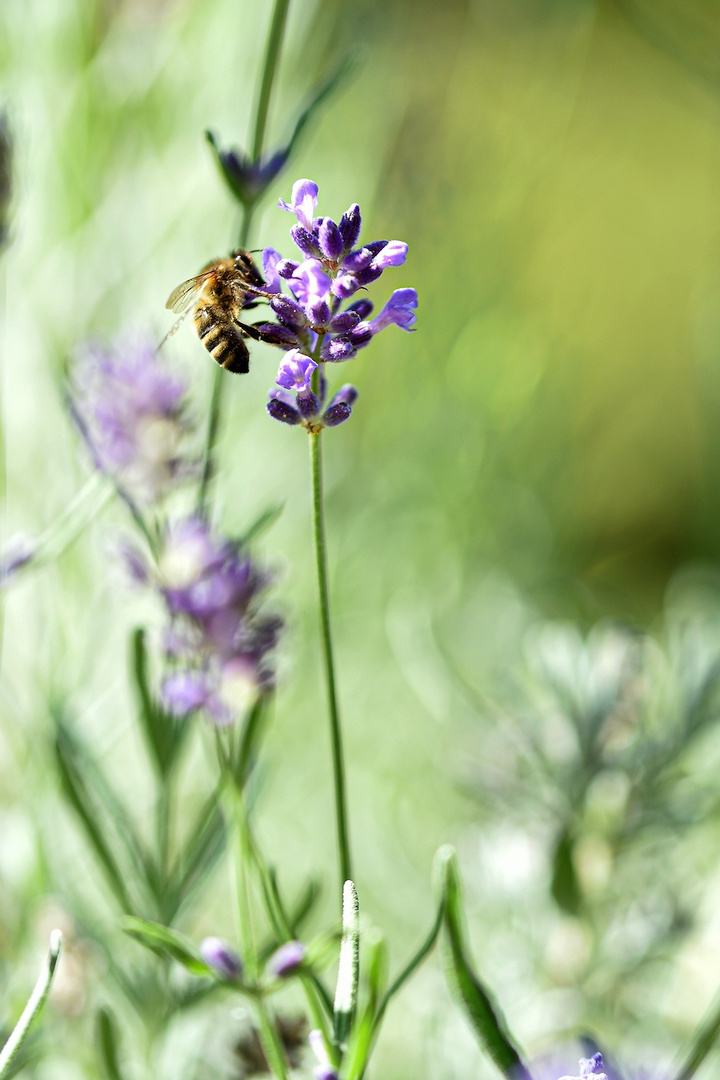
(180, 298)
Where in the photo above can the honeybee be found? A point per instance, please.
(216, 296)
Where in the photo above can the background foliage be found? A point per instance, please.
(542, 454)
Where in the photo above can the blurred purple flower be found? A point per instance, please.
(592, 1066)
(219, 641)
(311, 320)
(130, 409)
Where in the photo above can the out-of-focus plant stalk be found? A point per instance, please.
(35, 1003)
(267, 79)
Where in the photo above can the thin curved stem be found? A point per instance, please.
(343, 840)
(267, 78)
(34, 1005)
(272, 55)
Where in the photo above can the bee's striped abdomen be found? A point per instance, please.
(221, 338)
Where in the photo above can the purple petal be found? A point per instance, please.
(393, 253)
(184, 691)
(310, 282)
(270, 260)
(295, 371)
(303, 202)
(400, 310)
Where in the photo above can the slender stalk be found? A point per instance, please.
(267, 78)
(34, 1005)
(705, 1038)
(272, 55)
(270, 1040)
(343, 841)
(243, 861)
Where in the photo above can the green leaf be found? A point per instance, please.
(348, 967)
(261, 524)
(565, 886)
(166, 943)
(107, 1043)
(163, 734)
(77, 794)
(413, 963)
(249, 744)
(703, 1041)
(476, 1000)
(200, 852)
(362, 1037)
(10, 1051)
(321, 92)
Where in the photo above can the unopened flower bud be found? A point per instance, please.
(280, 410)
(286, 960)
(330, 239)
(223, 959)
(306, 242)
(350, 224)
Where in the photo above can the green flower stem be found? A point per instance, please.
(34, 1005)
(243, 859)
(272, 55)
(267, 79)
(343, 840)
(310, 983)
(270, 1040)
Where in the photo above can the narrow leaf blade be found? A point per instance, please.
(107, 1043)
(476, 1000)
(167, 943)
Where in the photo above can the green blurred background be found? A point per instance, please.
(545, 446)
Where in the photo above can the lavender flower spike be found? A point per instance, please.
(219, 641)
(313, 322)
(130, 408)
(221, 957)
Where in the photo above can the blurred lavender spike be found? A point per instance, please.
(34, 1006)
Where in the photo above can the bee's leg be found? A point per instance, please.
(267, 335)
